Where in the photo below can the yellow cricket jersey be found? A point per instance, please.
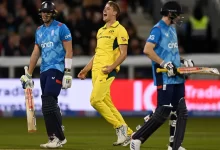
(108, 41)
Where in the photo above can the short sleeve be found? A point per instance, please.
(154, 36)
(122, 37)
(65, 34)
(36, 40)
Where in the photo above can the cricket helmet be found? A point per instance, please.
(172, 7)
(175, 10)
(49, 7)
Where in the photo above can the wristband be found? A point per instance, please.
(68, 63)
(162, 63)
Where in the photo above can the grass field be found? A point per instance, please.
(96, 134)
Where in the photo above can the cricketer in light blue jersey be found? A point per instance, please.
(166, 48)
(162, 48)
(53, 42)
(50, 41)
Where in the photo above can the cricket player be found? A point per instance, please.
(110, 52)
(53, 42)
(162, 48)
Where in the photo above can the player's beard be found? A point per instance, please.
(47, 19)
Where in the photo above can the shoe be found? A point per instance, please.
(180, 148)
(127, 141)
(55, 143)
(45, 145)
(135, 145)
(121, 132)
(63, 142)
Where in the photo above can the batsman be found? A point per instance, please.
(162, 48)
(53, 42)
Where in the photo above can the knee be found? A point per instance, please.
(49, 104)
(92, 100)
(94, 103)
(162, 112)
(95, 100)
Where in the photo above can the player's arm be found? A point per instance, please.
(122, 39)
(82, 74)
(66, 38)
(88, 67)
(149, 51)
(69, 54)
(26, 80)
(34, 58)
(123, 54)
(153, 39)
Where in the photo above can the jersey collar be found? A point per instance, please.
(114, 25)
(50, 24)
(163, 23)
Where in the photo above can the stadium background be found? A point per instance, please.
(132, 91)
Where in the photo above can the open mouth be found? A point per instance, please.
(45, 17)
(104, 14)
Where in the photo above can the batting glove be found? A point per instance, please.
(26, 81)
(187, 62)
(171, 69)
(67, 79)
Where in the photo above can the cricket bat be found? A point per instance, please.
(193, 70)
(30, 110)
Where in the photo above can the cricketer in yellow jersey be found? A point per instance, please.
(110, 52)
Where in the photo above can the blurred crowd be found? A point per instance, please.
(19, 20)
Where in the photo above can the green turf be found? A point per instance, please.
(96, 134)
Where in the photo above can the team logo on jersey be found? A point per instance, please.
(151, 37)
(68, 36)
(123, 39)
(173, 45)
(52, 32)
(47, 45)
(111, 31)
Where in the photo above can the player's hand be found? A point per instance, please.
(187, 62)
(82, 74)
(26, 81)
(67, 80)
(170, 67)
(107, 69)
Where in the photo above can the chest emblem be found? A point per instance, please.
(111, 31)
(52, 32)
